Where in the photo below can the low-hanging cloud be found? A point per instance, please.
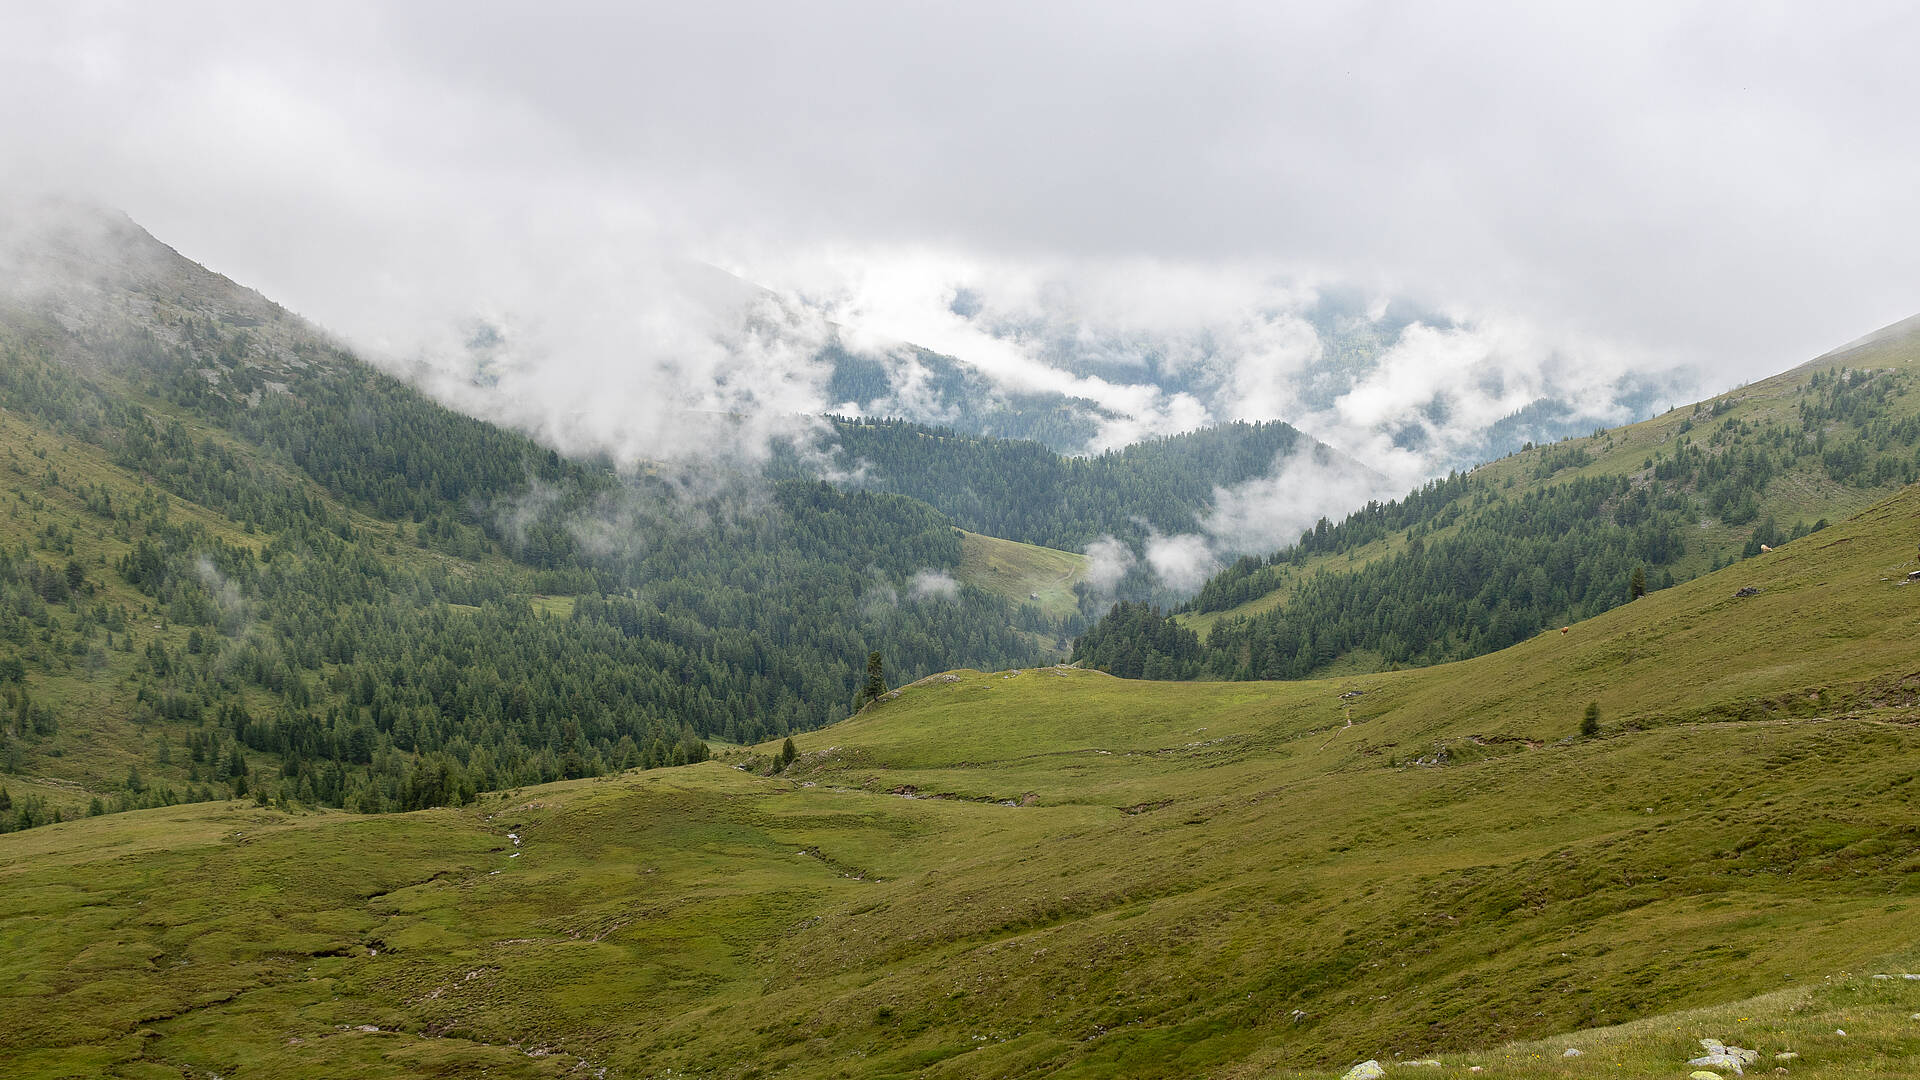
(933, 585)
(1109, 560)
(1268, 513)
(507, 208)
(1258, 516)
(1182, 563)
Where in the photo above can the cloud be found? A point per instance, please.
(1182, 563)
(1648, 185)
(1108, 562)
(639, 361)
(1269, 513)
(933, 585)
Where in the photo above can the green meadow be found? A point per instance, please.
(1056, 872)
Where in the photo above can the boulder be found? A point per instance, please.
(1721, 1056)
(1571, 1052)
(1366, 1070)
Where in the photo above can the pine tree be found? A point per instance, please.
(787, 753)
(1638, 586)
(876, 678)
(1590, 724)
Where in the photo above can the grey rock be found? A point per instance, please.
(1366, 1070)
(1721, 1056)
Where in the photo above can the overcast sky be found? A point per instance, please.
(1734, 185)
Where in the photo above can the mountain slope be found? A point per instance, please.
(238, 560)
(1026, 492)
(1055, 872)
(1555, 533)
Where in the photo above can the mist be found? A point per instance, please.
(1420, 236)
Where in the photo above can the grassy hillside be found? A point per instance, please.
(1055, 872)
(1023, 573)
(1554, 533)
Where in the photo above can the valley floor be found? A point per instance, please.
(1055, 872)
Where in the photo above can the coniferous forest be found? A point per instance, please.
(334, 591)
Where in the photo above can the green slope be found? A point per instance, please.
(1023, 573)
(1552, 534)
(1055, 872)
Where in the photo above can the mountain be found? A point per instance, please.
(1552, 534)
(1056, 872)
(239, 560)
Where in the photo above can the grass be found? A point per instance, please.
(1055, 872)
(1023, 573)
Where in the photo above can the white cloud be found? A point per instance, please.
(933, 585)
(1108, 562)
(1270, 513)
(1698, 183)
(1182, 563)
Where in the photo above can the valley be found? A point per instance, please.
(1051, 870)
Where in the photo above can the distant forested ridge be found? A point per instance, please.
(1478, 561)
(1024, 491)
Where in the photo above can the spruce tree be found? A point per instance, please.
(1638, 586)
(1590, 724)
(876, 678)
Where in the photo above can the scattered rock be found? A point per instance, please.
(1721, 1056)
(1366, 1070)
(1748, 591)
(1429, 1063)
(1702, 1074)
(1839, 1031)
(1785, 1055)
(1571, 1052)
